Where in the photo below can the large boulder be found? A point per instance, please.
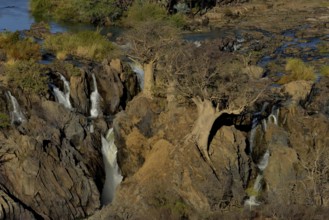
(110, 87)
(79, 93)
(227, 152)
(318, 100)
(132, 128)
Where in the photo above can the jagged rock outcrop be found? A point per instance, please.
(79, 93)
(318, 101)
(49, 165)
(132, 128)
(110, 87)
(12, 208)
(227, 152)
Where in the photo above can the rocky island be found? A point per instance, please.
(197, 110)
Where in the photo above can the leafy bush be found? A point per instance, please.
(15, 48)
(144, 11)
(178, 20)
(297, 70)
(88, 11)
(27, 75)
(4, 120)
(85, 44)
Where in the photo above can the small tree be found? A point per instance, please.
(208, 77)
(149, 41)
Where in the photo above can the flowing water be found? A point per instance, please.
(63, 97)
(94, 98)
(138, 69)
(15, 16)
(295, 46)
(16, 114)
(112, 171)
(262, 164)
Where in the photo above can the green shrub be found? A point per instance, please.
(88, 11)
(27, 75)
(145, 11)
(296, 69)
(4, 120)
(18, 49)
(324, 71)
(178, 20)
(142, 11)
(41, 6)
(86, 44)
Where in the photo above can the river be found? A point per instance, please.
(15, 16)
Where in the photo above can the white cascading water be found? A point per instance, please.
(91, 128)
(63, 97)
(262, 164)
(16, 115)
(252, 201)
(252, 134)
(94, 98)
(113, 177)
(255, 122)
(138, 69)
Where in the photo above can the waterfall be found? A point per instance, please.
(252, 134)
(63, 97)
(255, 122)
(138, 69)
(94, 98)
(262, 164)
(91, 128)
(112, 171)
(252, 201)
(274, 116)
(16, 114)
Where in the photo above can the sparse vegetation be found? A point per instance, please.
(14, 48)
(65, 67)
(86, 44)
(27, 75)
(324, 71)
(4, 120)
(296, 69)
(323, 48)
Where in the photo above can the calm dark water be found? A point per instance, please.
(15, 16)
